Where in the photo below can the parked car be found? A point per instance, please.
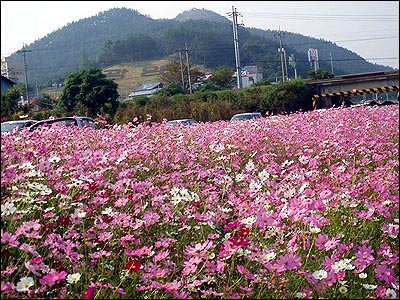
(245, 116)
(66, 121)
(182, 122)
(16, 125)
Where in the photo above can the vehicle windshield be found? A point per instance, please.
(7, 127)
(249, 116)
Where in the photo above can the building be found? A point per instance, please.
(13, 70)
(146, 90)
(250, 76)
(6, 84)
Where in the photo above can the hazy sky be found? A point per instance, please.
(368, 28)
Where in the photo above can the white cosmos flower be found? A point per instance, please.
(369, 286)
(108, 211)
(391, 293)
(249, 220)
(320, 274)
(300, 295)
(315, 229)
(24, 284)
(73, 278)
(250, 166)
(270, 256)
(54, 159)
(362, 275)
(8, 209)
(80, 213)
(343, 289)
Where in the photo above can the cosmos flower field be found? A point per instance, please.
(296, 206)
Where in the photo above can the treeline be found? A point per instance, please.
(288, 97)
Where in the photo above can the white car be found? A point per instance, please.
(246, 116)
(9, 126)
(182, 122)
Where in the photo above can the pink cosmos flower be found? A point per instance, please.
(364, 257)
(160, 256)
(11, 240)
(89, 293)
(30, 229)
(151, 218)
(172, 286)
(381, 292)
(289, 261)
(385, 274)
(53, 277)
(242, 270)
(144, 251)
(7, 287)
(331, 279)
(321, 240)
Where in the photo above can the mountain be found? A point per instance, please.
(201, 14)
(122, 35)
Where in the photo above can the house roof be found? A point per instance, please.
(7, 79)
(147, 87)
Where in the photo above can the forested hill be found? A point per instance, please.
(123, 35)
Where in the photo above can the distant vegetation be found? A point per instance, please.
(123, 35)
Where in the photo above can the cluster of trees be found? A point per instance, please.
(91, 93)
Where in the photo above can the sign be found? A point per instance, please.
(312, 54)
(292, 61)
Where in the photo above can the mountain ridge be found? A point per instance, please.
(82, 43)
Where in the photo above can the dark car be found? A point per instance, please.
(182, 122)
(16, 125)
(66, 121)
(246, 116)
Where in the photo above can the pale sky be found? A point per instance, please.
(368, 28)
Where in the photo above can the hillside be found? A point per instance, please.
(129, 76)
(119, 36)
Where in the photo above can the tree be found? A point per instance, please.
(173, 74)
(9, 103)
(171, 89)
(223, 76)
(320, 74)
(89, 92)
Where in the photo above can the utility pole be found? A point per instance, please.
(282, 54)
(188, 68)
(23, 51)
(331, 62)
(180, 60)
(284, 58)
(236, 44)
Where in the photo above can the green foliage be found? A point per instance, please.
(172, 89)
(141, 100)
(320, 74)
(228, 95)
(287, 97)
(89, 93)
(223, 76)
(9, 103)
(262, 82)
(45, 102)
(291, 96)
(210, 87)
